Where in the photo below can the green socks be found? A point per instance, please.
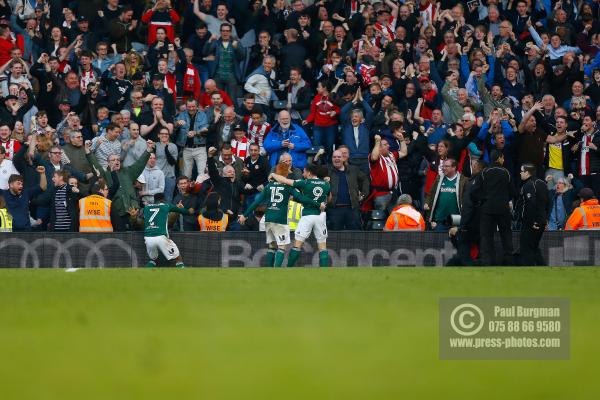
(279, 254)
(293, 256)
(270, 258)
(151, 264)
(179, 265)
(323, 258)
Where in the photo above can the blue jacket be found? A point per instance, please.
(364, 130)
(18, 206)
(296, 135)
(200, 123)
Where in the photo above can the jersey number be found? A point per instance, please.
(276, 196)
(317, 192)
(154, 212)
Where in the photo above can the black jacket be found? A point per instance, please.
(230, 191)
(258, 175)
(497, 190)
(533, 203)
(471, 206)
(357, 182)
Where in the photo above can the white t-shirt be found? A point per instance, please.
(6, 170)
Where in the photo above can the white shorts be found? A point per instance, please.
(277, 233)
(312, 223)
(162, 243)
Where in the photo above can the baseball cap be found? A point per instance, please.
(586, 194)
(65, 101)
(11, 97)
(158, 77)
(424, 79)
(238, 127)
(82, 18)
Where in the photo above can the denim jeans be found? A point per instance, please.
(325, 136)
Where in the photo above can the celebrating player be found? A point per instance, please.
(313, 218)
(156, 231)
(277, 230)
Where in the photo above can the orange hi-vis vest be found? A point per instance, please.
(585, 217)
(208, 225)
(405, 218)
(94, 214)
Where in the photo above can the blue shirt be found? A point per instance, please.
(18, 206)
(343, 194)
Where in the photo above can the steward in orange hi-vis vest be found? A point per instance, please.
(405, 217)
(94, 214)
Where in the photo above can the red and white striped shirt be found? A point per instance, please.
(11, 146)
(384, 173)
(257, 133)
(240, 148)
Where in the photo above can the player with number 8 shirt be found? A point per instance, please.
(277, 196)
(313, 218)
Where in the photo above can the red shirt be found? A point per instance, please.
(384, 174)
(205, 100)
(12, 146)
(320, 108)
(157, 19)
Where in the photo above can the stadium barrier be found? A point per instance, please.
(247, 249)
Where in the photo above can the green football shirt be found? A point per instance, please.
(156, 218)
(315, 189)
(277, 197)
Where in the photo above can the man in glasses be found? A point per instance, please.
(228, 55)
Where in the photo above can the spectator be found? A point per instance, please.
(105, 146)
(192, 127)
(125, 198)
(64, 208)
(163, 16)
(154, 181)
(190, 201)
(166, 160)
(445, 200)
(261, 82)
(325, 116)
(18, 199)
(7, 169)
(132, 147)
(384, 173)
(356, 127)
(254, 174)
(228, 54)
(228, 187)
(286, 137)
(349, 186)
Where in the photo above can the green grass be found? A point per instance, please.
(275, 334)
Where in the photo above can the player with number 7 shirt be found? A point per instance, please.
(156, 230)
(313, 218)
(277, 195)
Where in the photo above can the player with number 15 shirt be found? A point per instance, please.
(276, 196)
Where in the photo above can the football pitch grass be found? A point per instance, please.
(339, 333)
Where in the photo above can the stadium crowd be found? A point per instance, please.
(106, 103)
